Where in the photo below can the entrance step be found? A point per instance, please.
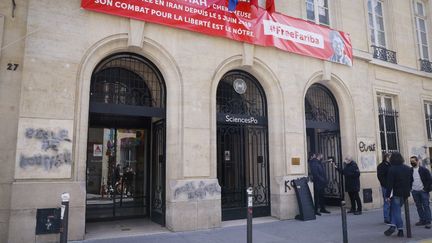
(123, 228)
(239, 222)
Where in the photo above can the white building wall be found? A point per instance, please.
(58, 44)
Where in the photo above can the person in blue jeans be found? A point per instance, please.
(382, 171)
(399, 182)
(421, 187)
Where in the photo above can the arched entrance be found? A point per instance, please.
(126, 140)
(323, 135)
(242, 145)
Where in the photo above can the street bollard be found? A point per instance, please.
(407, 219)
(249, 214)
(64, 217)
(344, 223)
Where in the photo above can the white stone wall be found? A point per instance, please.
(12, 35)
(58, 44)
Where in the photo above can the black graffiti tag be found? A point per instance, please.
(47, 162)
(49, 139)
(366, 148)
(199, 192)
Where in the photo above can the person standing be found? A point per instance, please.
(399, 181)
(382, 171)
(351, 173)
(319, 181)
(421, 187)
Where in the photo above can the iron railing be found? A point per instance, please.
(329, 145)
(320, 105)
(425, 65)
(251, 101)
(127, 79)
(242, 149)
(384, 54)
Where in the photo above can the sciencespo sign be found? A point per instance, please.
(246, 24)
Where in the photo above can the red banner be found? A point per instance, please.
(247, 24)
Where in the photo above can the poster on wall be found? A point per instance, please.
(246, 24)
(97, 150)
(44, 149)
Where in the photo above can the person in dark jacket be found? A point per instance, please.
(399, 181)
(382, 171)
(351, 173)
(319, 181)
(421, 187)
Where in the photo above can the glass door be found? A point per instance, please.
(117, 173)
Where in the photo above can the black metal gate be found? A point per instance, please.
(127, 96)
(243, 163)
(322, 129)
(242, 145)
(329, 146)
(157, 181)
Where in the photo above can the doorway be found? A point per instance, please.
(126, 141)
(242, 145)
(323, 136)
(116, 179)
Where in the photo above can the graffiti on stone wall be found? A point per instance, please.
(367, 154)
(46, 162)
(287, 185)
(193, 192)
(363, 147)
(49, 139)
(51, 142)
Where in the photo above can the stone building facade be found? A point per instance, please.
(57, 115)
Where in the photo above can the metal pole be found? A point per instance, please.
(249, 214)
(407, 219)
(64, 217)
(344, 223)
(121, 188)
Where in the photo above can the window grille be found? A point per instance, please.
(388, 124)
(127, 79)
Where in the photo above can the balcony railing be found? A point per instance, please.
(425, 65)
(384, 54)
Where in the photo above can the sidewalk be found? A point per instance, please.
(366, 228)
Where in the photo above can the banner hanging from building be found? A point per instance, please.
(247, 24)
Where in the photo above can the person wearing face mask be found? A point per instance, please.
(421, 187)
